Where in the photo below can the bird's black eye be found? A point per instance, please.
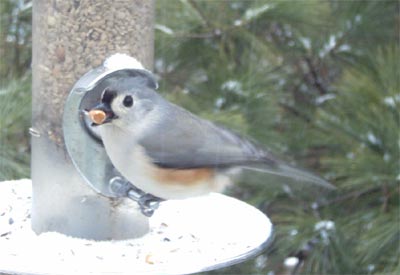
(128, 101)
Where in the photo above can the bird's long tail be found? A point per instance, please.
(286, 170)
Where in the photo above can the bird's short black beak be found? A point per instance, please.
(101, 114)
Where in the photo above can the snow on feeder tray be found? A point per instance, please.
(183, 236)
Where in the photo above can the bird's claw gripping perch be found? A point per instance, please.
(147, 202)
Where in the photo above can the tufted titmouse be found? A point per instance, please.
(169, 152)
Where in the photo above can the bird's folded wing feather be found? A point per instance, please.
(182, 140)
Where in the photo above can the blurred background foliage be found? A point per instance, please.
(316, 81)
(15, 88)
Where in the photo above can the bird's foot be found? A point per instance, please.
(147, 202)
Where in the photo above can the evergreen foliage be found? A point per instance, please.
(15, 88)
(15, 114)
(316, 81)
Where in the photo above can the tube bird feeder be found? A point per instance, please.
(69, 39)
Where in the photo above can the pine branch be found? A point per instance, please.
(348, 196)
(386, 196)
(198, 10)
(317, 83)
(295, 112)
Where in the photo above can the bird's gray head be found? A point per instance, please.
(126, 102)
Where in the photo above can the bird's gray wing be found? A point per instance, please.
(181, 140)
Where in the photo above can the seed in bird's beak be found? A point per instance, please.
(97, 116)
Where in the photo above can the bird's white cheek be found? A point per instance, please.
(119, 124)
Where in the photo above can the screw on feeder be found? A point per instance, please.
(123, 188)
(34, 133)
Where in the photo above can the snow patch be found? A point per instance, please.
(237, 22)
(321, 99)
(233, 85)
(324, 225)
(121, 61)
(255, 12)
(261, 261)
(370, 267)
(325, 228)
(391, 100)
(164, 29)
(306, 42)
(291, 262)
(328, 46)
(373, 139)
(344, 48)
(219, 102)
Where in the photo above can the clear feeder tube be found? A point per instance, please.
(69, 39)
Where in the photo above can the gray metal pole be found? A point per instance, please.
(69, 38)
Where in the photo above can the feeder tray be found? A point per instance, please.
(186, 236)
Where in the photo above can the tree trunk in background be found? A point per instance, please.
(70, 38)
